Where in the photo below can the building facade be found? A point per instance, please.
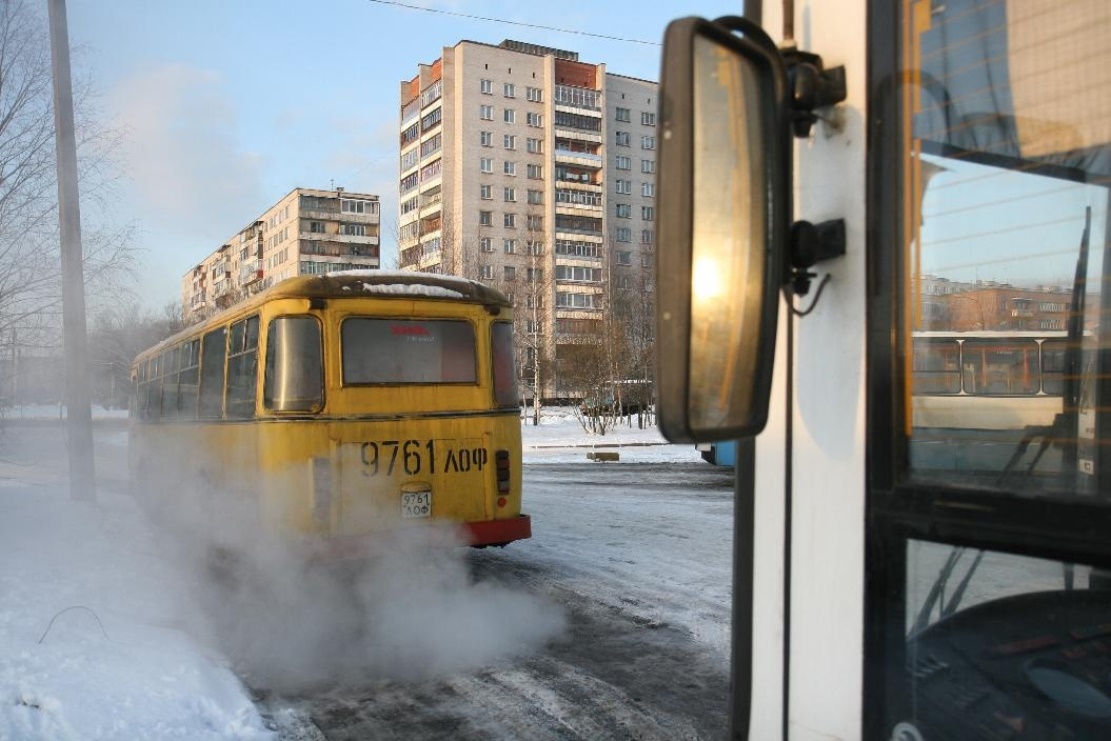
(524, 167)
(308, 232)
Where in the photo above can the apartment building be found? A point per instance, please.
(525, 167)
(308, 232)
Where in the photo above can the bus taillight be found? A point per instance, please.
(501, 465)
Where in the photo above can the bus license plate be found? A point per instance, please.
(416, 504)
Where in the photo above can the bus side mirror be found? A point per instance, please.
(723, 222)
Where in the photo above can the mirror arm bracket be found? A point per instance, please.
(809, 245)
(811, 87)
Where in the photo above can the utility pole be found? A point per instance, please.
(79, 422)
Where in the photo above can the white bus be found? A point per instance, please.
(822, 182)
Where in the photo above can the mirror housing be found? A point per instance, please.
(723, 222)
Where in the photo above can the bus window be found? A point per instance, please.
(1001, 369)
(294, 379)
(505, 380)
(1023, 639)
(937, 366)
(399, 351)
(187, 380)
(1053, 367)
(170, 383)
(213, 353)
(242, 369)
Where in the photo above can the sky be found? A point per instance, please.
(101, 636)
(227, 106)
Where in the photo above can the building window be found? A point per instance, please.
(510, 91)
(624, 234)
(317, 227)
(534, 275)
(648, 166)
(510, 195)
(536, 172)
(486, 139)
(486, 272)
(509, 116)
(509, 141)
(624, 257)
(486, 218)
(622, 138)
(623, 114)
(510, 221)
(510, 246)
(575, 300)
(535, 223)
(624, 211)
(486, 112)
(510, 167)
(486, 244)
(647, 118)
(509, 272)
(535, 248)
(535, 197)
(623, 187)
(648, 190)
(410, 159)
(484, 192)
(486, 86)
(354, 230)
(648, 213)
(576, 274)
(358, 207)
(623, 162)
(647, 142)
(534, 94)
(647, 237)
(534, 146)
(534, 119)
(486, 164)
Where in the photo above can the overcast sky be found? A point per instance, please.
(227, 105)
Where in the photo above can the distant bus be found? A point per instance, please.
(719, 454)
(330, 408)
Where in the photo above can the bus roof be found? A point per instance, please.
(387, 284)
(399, 283)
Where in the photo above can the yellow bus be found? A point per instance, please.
(330, 408)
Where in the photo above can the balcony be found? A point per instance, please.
(582, 159)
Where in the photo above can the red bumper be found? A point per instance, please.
(498, 532)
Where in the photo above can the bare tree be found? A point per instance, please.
(116, 336)
(30, 267)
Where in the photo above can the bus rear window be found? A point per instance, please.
(505, 380)
(402, 351)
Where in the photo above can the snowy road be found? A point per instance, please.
(637, 555)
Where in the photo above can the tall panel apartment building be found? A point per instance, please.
(526, 168)
(308, 232)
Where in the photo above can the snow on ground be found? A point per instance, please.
(97, 630)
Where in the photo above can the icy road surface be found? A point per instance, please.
(637, 555)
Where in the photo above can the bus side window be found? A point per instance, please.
(936, 366)
(187, 383)
(243, 369)
(213, 352)
(294, 379)
(169, 383)
(154, 389)
(1053, 367)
